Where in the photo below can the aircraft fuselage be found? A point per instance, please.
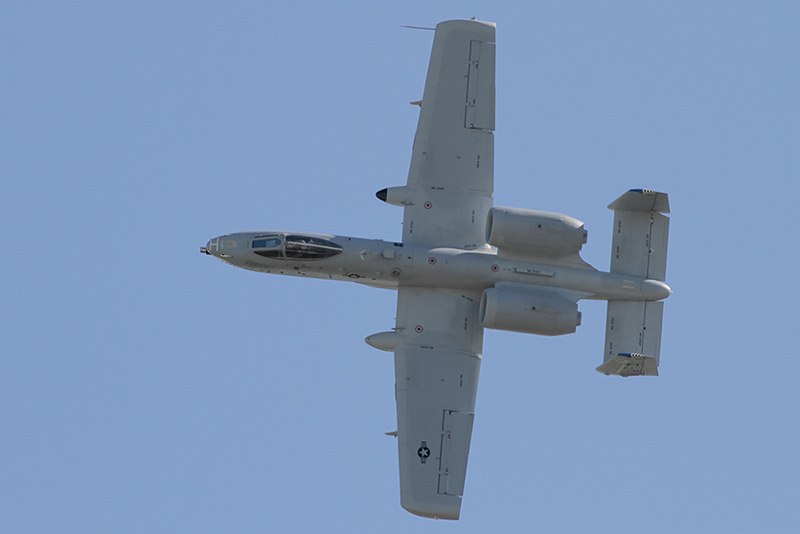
(386, 264)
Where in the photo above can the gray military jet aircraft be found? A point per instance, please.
(464, 265)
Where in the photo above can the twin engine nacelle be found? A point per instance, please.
(521, 308)
(531, 232)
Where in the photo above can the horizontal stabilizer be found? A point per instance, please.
(641, 232)
(630, 365)
(633, 338)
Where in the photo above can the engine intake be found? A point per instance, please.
(531, 232)
(521, 308)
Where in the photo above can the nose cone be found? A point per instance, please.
(223, 247)
(655, 290)
(212, 247)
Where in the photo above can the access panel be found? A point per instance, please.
(456, 433)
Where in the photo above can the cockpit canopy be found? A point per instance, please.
(294, 247)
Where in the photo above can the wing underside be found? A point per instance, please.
(436, 373)
(451, 173)
(449, 194)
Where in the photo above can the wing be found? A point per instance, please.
(450, 180)
(436, 372)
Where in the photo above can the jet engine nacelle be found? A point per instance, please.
(530, 232)
(521, 308)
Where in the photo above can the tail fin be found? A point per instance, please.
(638, 248)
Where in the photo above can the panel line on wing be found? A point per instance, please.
(479, 113)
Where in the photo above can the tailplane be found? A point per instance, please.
(633, 338)
(639, 244)
(638, 248)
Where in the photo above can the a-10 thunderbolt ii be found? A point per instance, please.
(464, 265)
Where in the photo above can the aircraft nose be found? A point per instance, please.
(226, 246)
(212, 247)
(655, 290)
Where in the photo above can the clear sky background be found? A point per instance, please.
(145, 387)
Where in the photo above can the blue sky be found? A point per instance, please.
(146, 387)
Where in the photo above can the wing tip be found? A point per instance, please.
(472, 24)
(450, 511)
(627, 364)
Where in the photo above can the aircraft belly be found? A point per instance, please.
(384, 264)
